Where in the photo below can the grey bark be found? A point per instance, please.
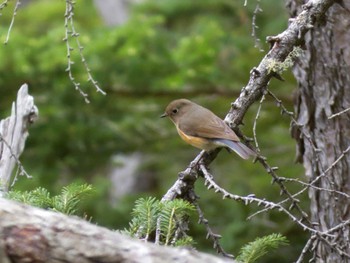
(323, 75)
(29, 234)
(13, 134)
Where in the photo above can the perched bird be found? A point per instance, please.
(201, 128)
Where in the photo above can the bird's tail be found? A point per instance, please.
(237, 147)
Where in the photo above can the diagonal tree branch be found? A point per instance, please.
(281, 46)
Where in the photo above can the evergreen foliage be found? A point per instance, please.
(172, 215)
(169, 216)
(254, 250)
(144, 217)
(66, 202)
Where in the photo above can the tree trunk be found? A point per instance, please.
(323, 76)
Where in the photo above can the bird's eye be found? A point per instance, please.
(175, 111)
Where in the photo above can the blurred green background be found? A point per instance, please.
(167, 49)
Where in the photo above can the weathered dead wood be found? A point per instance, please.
(31, 234)
(13, 134)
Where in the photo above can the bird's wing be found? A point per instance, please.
(206, 124)
(238, 147)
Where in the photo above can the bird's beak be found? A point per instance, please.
(164, 115)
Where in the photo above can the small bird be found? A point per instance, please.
(202, 129)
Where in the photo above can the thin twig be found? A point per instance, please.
(210, 183)
(338, 114)
(21, 171)
(257, 41)
(294, 121)
(69, 33)
(306, 248)
(309, 185)
(4, 4)
(12, 21)
(284, 190)
(306, 135)
(339, 226)
(334, 245)
(255, 123)
(323, 174)
(322, 235)
(210, 234)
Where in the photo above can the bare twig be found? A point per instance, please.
(334, 245)
(210, 234)
(70, 32)
(338, 114)
(257, 42)
(321, 235)
(193, 199)
(311, 184)
(21, 170)
(255, 124)
(284, 111)
(12, 20)
(4, 4)
(306, 248)
(284, 190)
(339, 226)
(210, 183)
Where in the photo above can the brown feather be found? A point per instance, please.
(201, 122)
(201, 128)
